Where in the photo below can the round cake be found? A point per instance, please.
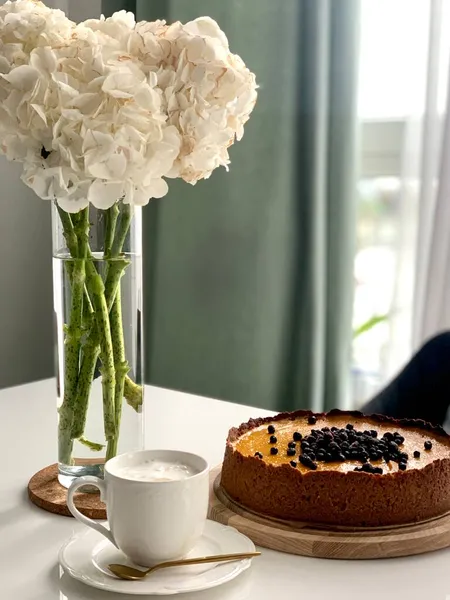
(339, 468)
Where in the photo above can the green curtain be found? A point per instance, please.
(248, 275)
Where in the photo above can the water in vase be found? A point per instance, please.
(94, 423)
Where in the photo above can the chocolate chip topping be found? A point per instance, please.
(368, 468)
(345, 444)
(307, 462)
(340, 445)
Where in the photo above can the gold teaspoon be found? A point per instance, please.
(125, 572)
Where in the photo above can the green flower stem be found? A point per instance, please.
(72, 343)
(95, 288)
(68, 231)
(111, 217)
(133, 393)
(81, 230)
(105, 336)
(93, 342)
(87, 306)
(114, 271)
(88, 310)
(116, 268)
(70, 223)
(121, 367)
(125, 221)
(65, 441)
(96, 291)
(94, 446)
(91, 351)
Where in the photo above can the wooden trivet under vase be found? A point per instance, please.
(323, 541)
(45, 491)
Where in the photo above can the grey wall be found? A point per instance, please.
(83, 9)
(26, 303)
(77, 10)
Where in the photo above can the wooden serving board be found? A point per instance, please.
(322, 541)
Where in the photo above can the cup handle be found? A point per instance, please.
(101, 485)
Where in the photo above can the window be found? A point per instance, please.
(392, 95)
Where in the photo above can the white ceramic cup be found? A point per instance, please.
(150, 521)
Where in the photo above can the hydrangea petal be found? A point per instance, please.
(103, 194)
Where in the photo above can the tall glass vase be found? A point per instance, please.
(97, 283)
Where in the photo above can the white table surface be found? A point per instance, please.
(30, 538)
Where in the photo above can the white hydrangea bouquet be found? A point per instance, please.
(101, 115)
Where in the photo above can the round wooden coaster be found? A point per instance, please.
(307, 539)
(45, 491)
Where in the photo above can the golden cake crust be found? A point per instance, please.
(336, 494)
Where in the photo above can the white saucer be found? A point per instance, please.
(86, 556)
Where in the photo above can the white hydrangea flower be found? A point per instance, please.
(109, 108)
(28, 24)
(209, 93)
